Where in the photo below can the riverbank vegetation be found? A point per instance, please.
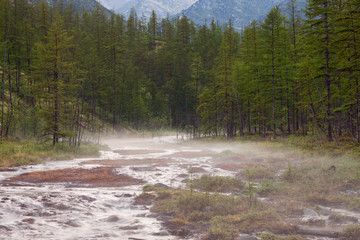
(271, 196)
(64, 72)
(15, 152)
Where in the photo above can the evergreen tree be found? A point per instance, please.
(274, 40)
(54, 74)
(223, 73)
(319, 40)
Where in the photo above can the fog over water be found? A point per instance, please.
(73, 210)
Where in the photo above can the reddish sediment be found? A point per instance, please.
(96, 177)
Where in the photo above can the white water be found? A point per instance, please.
(59, 211)
(56, 211)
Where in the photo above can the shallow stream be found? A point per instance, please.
(55, 209)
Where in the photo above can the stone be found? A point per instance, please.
(135, 227)
(161, 185)
(162, 233)
(29, 220)
(113, 218)
(309, 213)
(72, 223)
(2, 227)
(127, 195)
(87, 198)
(141, 215)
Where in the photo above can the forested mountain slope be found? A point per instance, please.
(280, 76)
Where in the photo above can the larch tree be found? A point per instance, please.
(223, 73)
(54, 73)
(347, 43)
(274, 38)
(318, 34)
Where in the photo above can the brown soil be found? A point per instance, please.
(96, 177)
(126, 162)
(138, 151)
(7, 169)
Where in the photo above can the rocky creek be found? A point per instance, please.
(94, 198)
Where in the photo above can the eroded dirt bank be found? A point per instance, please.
(95, 198)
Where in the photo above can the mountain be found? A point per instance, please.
(242, 12)
(115, 5)
(79, 5)
(145, 7)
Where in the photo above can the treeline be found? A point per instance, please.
(287, 75)
(64, 72)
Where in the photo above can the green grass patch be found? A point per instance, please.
(217, 216)
(322, 146)
(211, 183)
(21, 152)
(178, 203)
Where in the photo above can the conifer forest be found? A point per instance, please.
(64, 72)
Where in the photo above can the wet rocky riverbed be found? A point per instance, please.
(94, 198)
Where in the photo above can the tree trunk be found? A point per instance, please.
(10, 113)
(327, 76)
(273, 85)
(7, 21)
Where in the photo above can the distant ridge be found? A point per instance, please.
(145, 7)
(242, 12)
(79, 5)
